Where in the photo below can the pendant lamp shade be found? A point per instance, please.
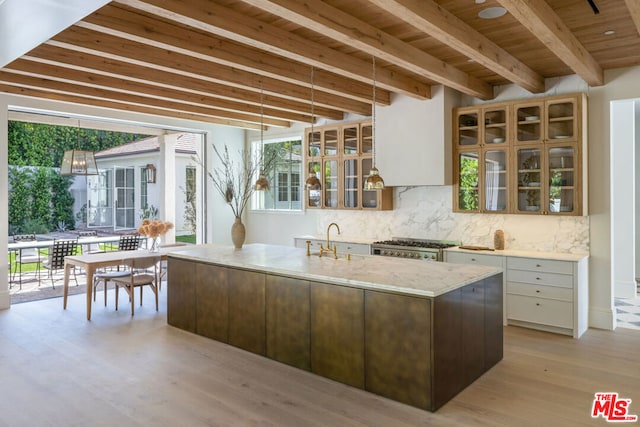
(78, 162)
(374, 181)
(262, 184)
(313, 183)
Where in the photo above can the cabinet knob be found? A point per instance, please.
(537, 278)
(473, 259)
(538, 304)
(537, 291)
(538, 265)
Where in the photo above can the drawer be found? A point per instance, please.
(536, 264)
(353, 248)
(481, 259)
(539, 310)
(539, 277)
(540, 291)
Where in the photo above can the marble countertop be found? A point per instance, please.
(405, 276)
(526, 254)
(336, 238)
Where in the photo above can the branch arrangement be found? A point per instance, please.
(235, 182)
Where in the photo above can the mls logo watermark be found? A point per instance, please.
(612, 408)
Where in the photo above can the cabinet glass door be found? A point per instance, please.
(367, 139)
(350, 183)
(529, 180)
(369, 197)
(529, 123)
(314, 144)
(495, 125)
(350, 140)
(468, 175)
(331, 142)
(468, 129)
(495, 180)
(330, 183)
(314, 191)
(561, 120)
(562, 179)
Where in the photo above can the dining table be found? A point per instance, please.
(91, 262)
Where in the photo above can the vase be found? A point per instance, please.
(153, 244)
(238, 233)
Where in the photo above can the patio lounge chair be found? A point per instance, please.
(27, 256)
(55, 262)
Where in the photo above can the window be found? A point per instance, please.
(284, 180)
(143, 188)
(190, 184)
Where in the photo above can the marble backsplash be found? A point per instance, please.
(425, 213)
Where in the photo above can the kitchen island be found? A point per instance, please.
(414, 331)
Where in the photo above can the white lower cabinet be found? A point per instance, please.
(541, 292)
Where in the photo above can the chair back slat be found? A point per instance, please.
(61, 249)
(129, 242)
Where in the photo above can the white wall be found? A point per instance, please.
(219, 215)
(623, 198)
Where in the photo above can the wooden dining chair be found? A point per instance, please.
(143, 272)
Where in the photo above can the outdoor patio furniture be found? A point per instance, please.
(129, 242)
(57, 253)
(144, 272)
(90, 248)
(26, 256)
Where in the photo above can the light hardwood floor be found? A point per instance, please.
(57, 369)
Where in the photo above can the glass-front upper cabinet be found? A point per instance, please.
(350, 183)
(467, 130)
(561, 120)
(314, 193)
(350, 140)
(370, 198)
(468, 167)
(330, 142)
(495, 120)
(495, 181)
(529, 122)
(314, 144)
(530, 177)
(366, 131)
(562, 179)
(330, 184)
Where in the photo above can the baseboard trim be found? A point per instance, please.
(5, 300)
(601, 318)
(625, 289)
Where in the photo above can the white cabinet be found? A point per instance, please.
(549, 295)
(543, 291)
(343, 247)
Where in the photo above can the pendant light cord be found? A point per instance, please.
(313, 119)
(373, 116)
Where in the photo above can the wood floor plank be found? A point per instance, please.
(57, 369)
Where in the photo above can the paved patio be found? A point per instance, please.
(33, 290)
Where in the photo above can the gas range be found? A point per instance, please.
(429, 250)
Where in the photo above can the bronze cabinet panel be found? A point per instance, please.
(247, 310)
(181, 295)
(212, 293)
(288, 329)
(473, 331)
(397, 347)
(337, 331)
(448, 375)
(493, 320)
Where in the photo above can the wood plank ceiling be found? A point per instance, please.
(242, 63)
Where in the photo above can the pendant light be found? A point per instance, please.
(262, 184)
(78, 162)
(374, 181)
(312, 182)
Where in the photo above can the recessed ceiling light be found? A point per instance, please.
(609, 33)
(492, 12)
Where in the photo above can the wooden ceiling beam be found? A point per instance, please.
(71, 60)
(217, 19)
(121, 22)
(14, 89)
(121, 49)
(126, 98)
(634, 11)
(340, 26)
(431, 18)
(85, 78)
(540, 19)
